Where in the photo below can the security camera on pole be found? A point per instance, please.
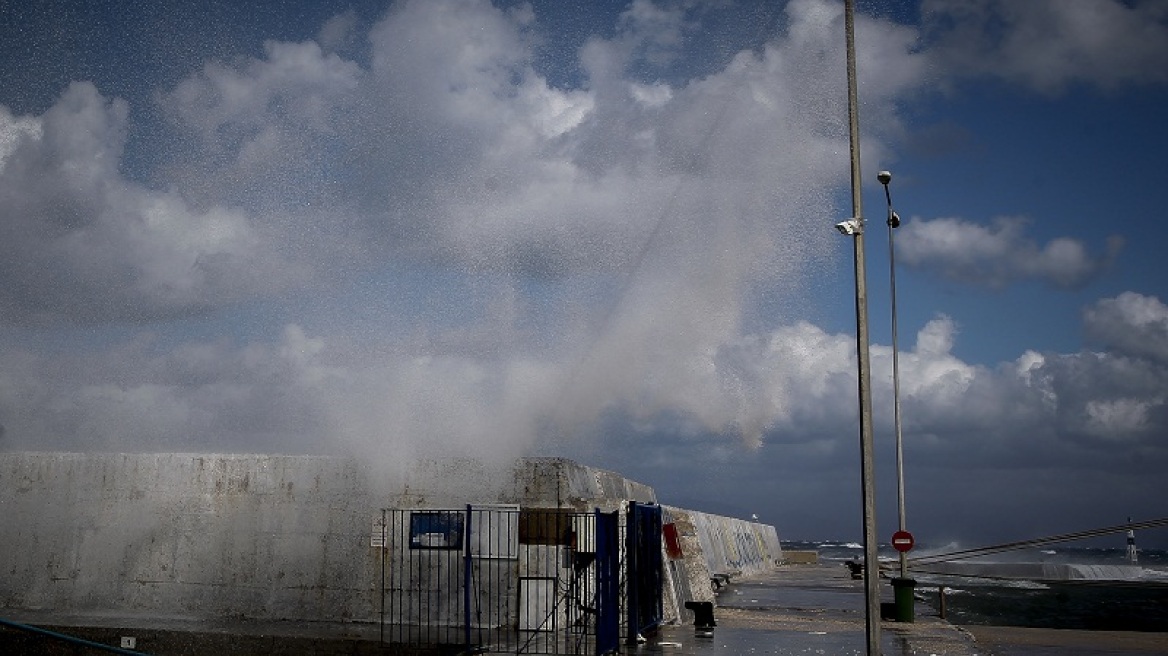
(854, 227)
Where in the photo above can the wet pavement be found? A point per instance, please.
(809, 609)
(796, 609)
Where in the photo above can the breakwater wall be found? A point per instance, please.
(271, 537)
(736, 547)
(187, 536)
(704, 552)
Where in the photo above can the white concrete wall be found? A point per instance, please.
(736, 547)
(714, 545)
(187, 536)
(212, 536)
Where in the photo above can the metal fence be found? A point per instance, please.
(502, 578)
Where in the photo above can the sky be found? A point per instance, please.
(604, 231)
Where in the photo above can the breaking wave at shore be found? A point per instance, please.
(1058, 588)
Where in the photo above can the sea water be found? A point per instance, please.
(1062, 587)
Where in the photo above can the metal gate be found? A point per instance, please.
(501, 578)
(608, 619)
(644, 566)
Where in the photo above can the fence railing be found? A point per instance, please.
(527, 581)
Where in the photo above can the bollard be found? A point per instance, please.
(941, 594)
(903, 594)
(703, 614)
(856, 568)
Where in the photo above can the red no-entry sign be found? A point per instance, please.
(902, 541)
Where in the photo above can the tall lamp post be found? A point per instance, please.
(855, 228)
(902, 586)
(885, 177)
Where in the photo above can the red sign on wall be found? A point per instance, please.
(672, 544)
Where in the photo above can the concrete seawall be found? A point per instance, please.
(710, 551)
(270, 537)
(736, 547)
(187, 536)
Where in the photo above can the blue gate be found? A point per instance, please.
(607, 582)
(644, 567)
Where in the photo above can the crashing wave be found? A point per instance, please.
(1037, 571)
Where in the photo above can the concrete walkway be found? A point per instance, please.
(796, 609)
(809, 609)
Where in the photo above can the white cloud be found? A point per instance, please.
(83, 242)
(999, 254)
(300, 393)
(448, 147)
(14, 130)
(1132, 324)
(794, 386)
(656, 30)
(1102, 395)
(339, 33)
(1112, 417)
(1050, 44)
(654, 95)
(296, 86)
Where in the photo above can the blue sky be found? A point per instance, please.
(415, 229)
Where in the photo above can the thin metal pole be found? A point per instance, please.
(384, 537)
(867, 450)
(466, 580)
(631, 591)
(892, 224)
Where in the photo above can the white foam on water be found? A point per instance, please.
(1081, 572)
(1149, 574)
(1034, 572)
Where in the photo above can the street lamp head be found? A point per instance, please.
(884, 177)
(850, 227)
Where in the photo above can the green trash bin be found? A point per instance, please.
(902, 590)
